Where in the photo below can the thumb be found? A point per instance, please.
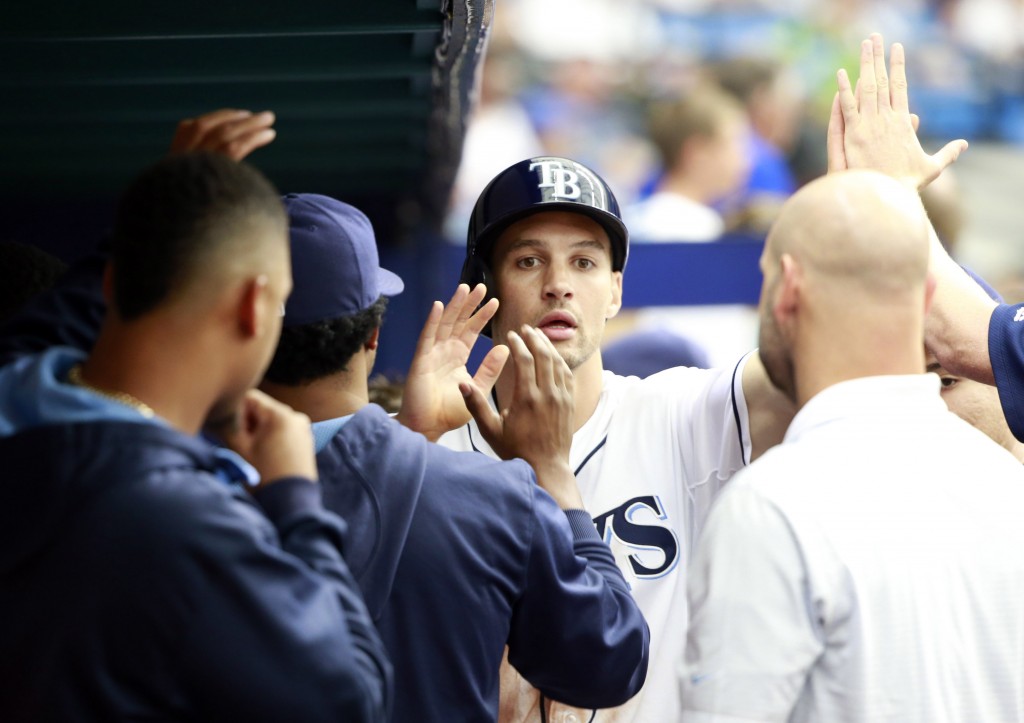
(486, 418)
(490, 368)
(835, 148)
(950, 152)
(915, 122)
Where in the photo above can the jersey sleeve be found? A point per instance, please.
(279, 630)
(1006, 352)
(706, 413)
(752, 636)
(576, 633)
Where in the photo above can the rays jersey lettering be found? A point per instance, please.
(562, 182)
(640, 525)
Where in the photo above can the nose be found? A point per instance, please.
(557, 283)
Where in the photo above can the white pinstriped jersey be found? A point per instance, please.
(649, 462)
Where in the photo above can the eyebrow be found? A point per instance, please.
(933, 367)
(538, 243)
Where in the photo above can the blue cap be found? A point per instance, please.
(335, 268)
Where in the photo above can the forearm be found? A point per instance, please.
(577, 633)
(957, 325)
(315, 537)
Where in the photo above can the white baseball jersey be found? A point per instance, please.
(868, 569)
(649, 462)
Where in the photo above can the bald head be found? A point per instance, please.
(856, 232)
(858, 228)
(846, 284)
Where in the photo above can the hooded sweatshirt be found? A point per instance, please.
(135, 583)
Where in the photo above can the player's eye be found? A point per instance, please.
(527, 262)
(948, 382)
(585, 263)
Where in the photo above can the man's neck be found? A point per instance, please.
(330, 397)
(152, 364)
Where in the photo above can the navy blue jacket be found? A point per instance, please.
(457, 556)
(136, 584)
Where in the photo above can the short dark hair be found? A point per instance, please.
(173, 215)
(308, 352)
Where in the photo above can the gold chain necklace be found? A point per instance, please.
(75, 377)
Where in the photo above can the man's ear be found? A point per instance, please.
(787, 301)
(248, 306)
(616, 304)
(929, 291)
(374, 340)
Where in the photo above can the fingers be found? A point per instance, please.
(488, 420)
(479, 318)
(429, 334)
(452, 312)
(490, 368)
(898, 66)
(542, 353)
(235, 133)
(915, 122)
(522, 361)
(881, 76)
(847, 100)
(866, 82)
(834, 140)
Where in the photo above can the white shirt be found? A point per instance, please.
(648, 462)
(870, 568)
(664, 216)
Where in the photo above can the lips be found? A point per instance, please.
(558, 325)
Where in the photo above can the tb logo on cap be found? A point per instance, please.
(554, 175)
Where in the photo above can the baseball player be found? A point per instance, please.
(649, 455)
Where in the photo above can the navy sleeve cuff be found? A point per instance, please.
(582, 526)
(287, 497)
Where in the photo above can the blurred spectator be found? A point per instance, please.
(386, 392)
(773, 102)
(648, 351)
(702, 142)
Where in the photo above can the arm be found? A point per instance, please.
(769, 411)
(752, 638)
(576, 632)
(538, 424)
(432, 403)
(285, 616)
(872, 127)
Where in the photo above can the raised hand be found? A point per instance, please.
(872, 126)
(273, 438)
(431, 402)
(537, 425)
(235, 133)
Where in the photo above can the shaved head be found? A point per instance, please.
(859, 229)
(845, 281)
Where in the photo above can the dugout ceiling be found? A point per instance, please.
(371, 97)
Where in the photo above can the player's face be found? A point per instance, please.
(974, 402)
(772, 346)
(553, 270)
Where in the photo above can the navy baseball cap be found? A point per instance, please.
(335, 268)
